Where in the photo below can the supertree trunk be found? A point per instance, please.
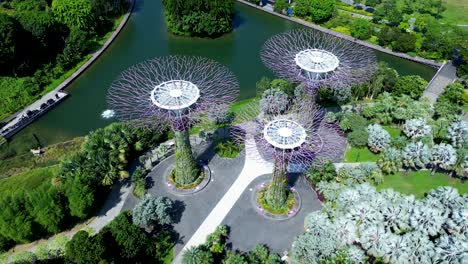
(186, 170)
(276, 194)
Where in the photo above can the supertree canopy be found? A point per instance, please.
(174, 91)
(317, 59)
(294, 139)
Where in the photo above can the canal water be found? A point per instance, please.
(145, 36)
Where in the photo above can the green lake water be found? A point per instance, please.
(145, 36)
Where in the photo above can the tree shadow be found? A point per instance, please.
(238, 20)
(149, 182)
(177, 211)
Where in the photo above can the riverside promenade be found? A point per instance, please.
(17, 120)
(431, 63)
(446, 75)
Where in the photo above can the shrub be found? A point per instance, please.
(280, 6)
(358, 138)
(228, 149)
(412, 85)
(416, 128)
(379, 139)
(321, 170)
(458, 133)
(196, 255)
(153, 211)
(274, 101)
(361, 28)
(390, 161)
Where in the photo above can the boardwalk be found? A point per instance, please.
(444, 76)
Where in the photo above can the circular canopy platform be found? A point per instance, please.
(175, 95)
(284, 134)
(317, 61)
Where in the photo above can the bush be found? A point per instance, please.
(280, 6)
(274, 101)
(379, 139)
(321, 170)
(152, 211)
(228, 149)
(196, 255)
(390, 161)
(358, 138)
(405, 42)
(361, 28)
(412, 85)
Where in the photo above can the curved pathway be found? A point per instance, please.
(251, 170)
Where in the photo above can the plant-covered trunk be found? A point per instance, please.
(186, 170)
(276, 194)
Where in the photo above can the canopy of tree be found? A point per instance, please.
(204, 18)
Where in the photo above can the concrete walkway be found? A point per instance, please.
(446, 75)
(251, 170)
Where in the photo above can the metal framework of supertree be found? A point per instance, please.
(172, 91)
(318, 60)
(296, 138)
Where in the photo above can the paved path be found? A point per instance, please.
(444, 76)
(251, 170)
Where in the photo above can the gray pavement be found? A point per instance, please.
(194, 208)
(444, 76)
(248, 228)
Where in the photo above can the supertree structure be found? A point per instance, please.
(173, 91)
(293, 139)
(317, 59)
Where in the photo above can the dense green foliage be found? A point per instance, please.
(361, 29)
(204, 18)
(42, 40)
(48, 200)
(228, 149)
(412, 85)
(321, 170)
(314, 10)
(215, 251)
(119, 242)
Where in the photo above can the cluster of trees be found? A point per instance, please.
(41, 40)
(205, 18)
(314, 10)
(214, 251)
(80, 185)
(360, 224)
(275, 95)
(420, 150)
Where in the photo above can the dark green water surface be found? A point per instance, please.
(144, 37)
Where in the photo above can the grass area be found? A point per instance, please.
(53, 154)
(169, 257)
(394, 132)
(419, 182)
(360, 155)
(456, 12)
(239, 107)
(27, 180)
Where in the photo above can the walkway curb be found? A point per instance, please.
(346, 37)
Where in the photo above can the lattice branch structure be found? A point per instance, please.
(291, 141)
(318, 60)
(173, 91)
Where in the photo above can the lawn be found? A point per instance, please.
(456, 12)
(359, 155)
(419, 182)
(394, 132)
(27, 180)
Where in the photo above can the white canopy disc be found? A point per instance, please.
(284, 134)
(175, 95)
(317, 61)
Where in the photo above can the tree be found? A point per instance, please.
(85, 249)
(458, 133)
(390, 161)
(405, 42)
(74, 13)
(361, 28)
(454, 93)
(196, 255)
(153, 210)
(302, 8)
(412, 85)
(15, 221)
(416, 155)
(460, 167)
(48, 207)
(274, 101)
(76, 45)
(321, 170)
(260, 254)
(379, 139)
(387, 35)
(9, 34)
(416, 128)
(262, 85)
(358, 138)
(443, 156)
(280, 6)
(321, 10)
(283, 85)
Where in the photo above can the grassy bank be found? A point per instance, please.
(456, 12)
(28, 180)
(419, 182)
